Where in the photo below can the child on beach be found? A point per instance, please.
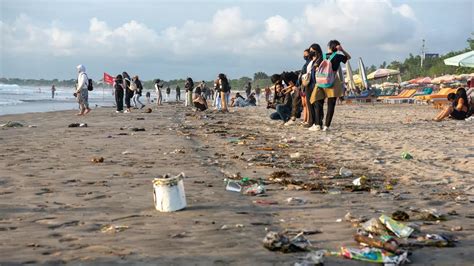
(458, 107)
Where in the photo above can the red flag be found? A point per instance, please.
(108, 79)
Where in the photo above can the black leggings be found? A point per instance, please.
(119, 99)
(319, 110)
(128, 96)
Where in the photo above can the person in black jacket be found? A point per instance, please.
(128, 92)
(138, 93)
(283, 110)
(118, 85)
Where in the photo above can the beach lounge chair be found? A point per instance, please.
(421, 97)
(365, 96)
(441, 98)
(406, 96)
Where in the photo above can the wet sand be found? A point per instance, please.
(54, 201)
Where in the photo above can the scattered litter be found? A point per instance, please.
(168, 193)
(295, 201)
(400, 216)
(253, 190)
(265, 202)
(360, 181)
(77, 125)
(281, 242)
(406, 155)
(436, 240)
(12, 124)
(140, 118)
(32, 126)
(339, 220)
(246, 186)
(148, 110)
(136, 129)
(374, 226)
(126, 152)
(397, 228)
(386, 242)
(313, 258)
(179, 235)
(295, 155)
(97, 159)
(344, 172)
(374, 255)
(456, 228)
(113, 228)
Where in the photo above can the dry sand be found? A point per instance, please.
(54, 200)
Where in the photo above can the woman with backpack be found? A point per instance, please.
(128, 92)
(328, 83)
(118, 85)
(138, 93)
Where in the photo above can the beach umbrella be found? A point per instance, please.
(464, 60)
(443, 79)
(463, 77)
(350, 77)
(426, 80)
(362, 74)
(382, 73)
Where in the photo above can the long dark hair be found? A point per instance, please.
(461, 94)
(318, 53)
(125, 75)
(223, 79)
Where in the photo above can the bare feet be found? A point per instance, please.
(78, 114)
(87, 111)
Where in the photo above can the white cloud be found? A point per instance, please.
(376, 26)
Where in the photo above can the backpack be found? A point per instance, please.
(325, 76)
(133, 86)
(90, 86)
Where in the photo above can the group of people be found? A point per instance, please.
(131, 88)
(302, 94)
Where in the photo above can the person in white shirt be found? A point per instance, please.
(82, 94)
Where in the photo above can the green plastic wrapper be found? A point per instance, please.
(399, 229)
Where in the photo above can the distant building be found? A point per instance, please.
(431, 55)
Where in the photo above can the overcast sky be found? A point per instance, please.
(175, 39)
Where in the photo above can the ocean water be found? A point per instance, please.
(16, 99)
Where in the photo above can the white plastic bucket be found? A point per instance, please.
(168, 193)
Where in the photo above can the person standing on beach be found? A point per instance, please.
(257, 94)
(224, 88)
(81, 90)
(168, 91)
(178, 93)
(128, 92)
(138, 93)
(248, 89)
(189, 86)
(148, 96)
(159, 95)
(118, 85)
(336, 55)
(53, 91)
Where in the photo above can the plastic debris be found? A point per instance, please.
(374, 255)
(344, 172)
(253, 190)
(360, 181)
(313, 258)
(397, 228)
(281, 242)
(406, 155)
(77, 125)
(400, 216)
(295, 155)
(12, 124)
(387, 243)
(436, 240)
(296, 201)
(375, 226)
(97, 159)
(113, 228)
(265, 202)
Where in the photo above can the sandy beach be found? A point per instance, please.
(55, 204)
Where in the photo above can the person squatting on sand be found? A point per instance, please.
(159, 95)
(198, 100)
(283, 109)
(138, 93)
(82, 94)
(458, 107)
(128, 92)
(239, 101)
(118, 86)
